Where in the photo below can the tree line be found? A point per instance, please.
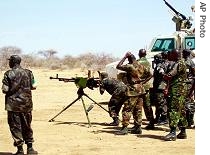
(48, 59)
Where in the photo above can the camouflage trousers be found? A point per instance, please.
(190, 105)
(115, 104)
(148, 107)
(20, 127)
(133, 106)
(176, 105)
(160, 104)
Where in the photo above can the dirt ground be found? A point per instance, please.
(70, 133)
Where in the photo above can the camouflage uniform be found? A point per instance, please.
(146, 98)
(190, 104)
(177, 90)
(159, 86)
(117, 89)
(177, 93)
(135, 91)
(17, 85)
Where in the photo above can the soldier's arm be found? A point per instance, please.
(5, 84)
(7, 88)
(120, 65)
(171, 73)
(33, 81)
(193, 68)
(149, 75)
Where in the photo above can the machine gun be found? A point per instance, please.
(182, 22)
(81, 83)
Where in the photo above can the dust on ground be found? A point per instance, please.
(70, 133)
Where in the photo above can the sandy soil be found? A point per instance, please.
(70, 133)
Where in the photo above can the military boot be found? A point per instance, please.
(137, 130)
(172, 135)
(30, 149)
(150, 126)
(115, 122)
(134, 126)
(163, 120)
(123, 131)
(190, 121)
(19, 151)
(182, 134)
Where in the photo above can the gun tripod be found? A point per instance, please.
(80, 93)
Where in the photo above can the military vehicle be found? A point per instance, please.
(182, 38)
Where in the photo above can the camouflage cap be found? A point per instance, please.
(15, 59)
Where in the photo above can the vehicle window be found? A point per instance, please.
(190, 43)
(163, 44)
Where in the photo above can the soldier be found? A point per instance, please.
(117, 90)
(146, 97)
(17, 86)
(159, 87)
(177, 92)
(190, 104)
(135, 91)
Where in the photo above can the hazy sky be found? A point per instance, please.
(73, 27)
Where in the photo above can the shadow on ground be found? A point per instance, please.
(151, 136)
(5, 153)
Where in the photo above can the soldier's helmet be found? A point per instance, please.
(142, 53)
(15, 59)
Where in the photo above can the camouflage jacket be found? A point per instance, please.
(178, 73)
(146, 63)
(190, 68)
(158, 81)
(17, 85)
(113, 86)
(135, 72)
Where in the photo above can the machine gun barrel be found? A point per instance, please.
(175, 11)
(63, 79)
(81, 82)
